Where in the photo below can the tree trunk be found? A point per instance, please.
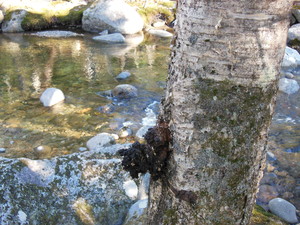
(219, 102)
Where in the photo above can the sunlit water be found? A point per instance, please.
(82, 69)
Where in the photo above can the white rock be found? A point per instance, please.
(22, 216)
(131, 189)
(144, 187)
(294, 32)
(288, 86)
(291, 59)
(56, 34)
(124, 75)
(284, 209)
(100, 140)
(14, 24)
(160, 33)
(52, 96)
(82, 149)
(1, 16)
(2, 150)
(110, 38)
(125, 132)
(113, 15)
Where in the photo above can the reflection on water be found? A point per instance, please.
(81, 68)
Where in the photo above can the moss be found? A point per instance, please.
(34, 21)
(170, 217)
(73, 18)
(262, 217)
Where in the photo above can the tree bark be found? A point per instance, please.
(219, 103)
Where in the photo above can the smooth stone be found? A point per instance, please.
(110, 38)
(52, 96)
(294, 32)
(159, 24)
(124, 75)
(288, 86)
(160, 33)
(82, 149)
(296, 14)
(130, 189)
(56, 34)
(291, 59)
(124, 91)
(289, 75)
(125, 132)
(100, 140)
(2, 150)
(284, 209)
(113, 15)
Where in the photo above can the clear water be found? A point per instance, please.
(81, 68)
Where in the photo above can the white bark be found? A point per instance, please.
(219, 103)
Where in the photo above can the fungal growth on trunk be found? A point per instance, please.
(150, 157)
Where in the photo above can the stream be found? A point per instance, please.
(83, 69)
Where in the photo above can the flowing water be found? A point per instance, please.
(83, 69)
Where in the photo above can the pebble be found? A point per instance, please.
(289, 75)
(110, 38)
(160, 33)
(124, 75)
(2, 150)
(284, 209)
(82, 149)
(125, 132)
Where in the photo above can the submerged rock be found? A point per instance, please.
(100, 140)
(110, 38)
(52, 96)
(80, 188)
(124, 91)
(124, 75)
(288, 86)
(112, 15)
(284, 209)
(2, 150)
(56, 34)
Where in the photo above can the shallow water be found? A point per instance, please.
(81, 68)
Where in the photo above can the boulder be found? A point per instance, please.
(12, 21)
(112, 15)
(81, 188)
(160, 33)
(294, 33)
(52, 96)
(110, 38)
(124, 91)
(288, 86)
(100, 140)
(284, 209)
(291, 59)
(1, 16)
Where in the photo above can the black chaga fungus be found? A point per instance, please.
(152, 156)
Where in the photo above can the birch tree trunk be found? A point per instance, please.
(219, 102)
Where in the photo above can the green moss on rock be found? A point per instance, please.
(34, 21)
(262, 217)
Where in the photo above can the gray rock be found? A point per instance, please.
(124, 91)
(13, 24)
(266, 193)
(160, 33)
(294, 32)
(99, 141)
(2, 150)
(284, 209)
(110, 38)
(56, 34)
(1, 16)
(81, 188)
(124, 75)
(288, 86)
(52, 96)
(289, 75)
(105, 32)
(291, 59)
(296, 14)
(112, 15)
